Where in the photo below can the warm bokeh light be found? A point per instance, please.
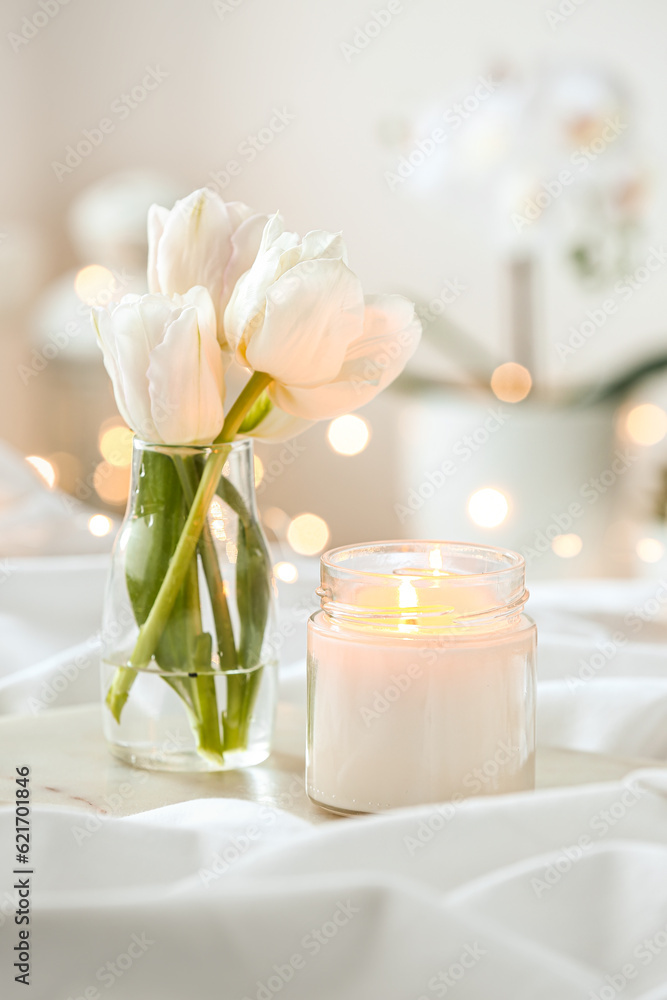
(99, 525)
(567, 546)
(511, 382)
(43, 468)
(68, 469)
(650, 550)
(286, 571)
(276, 520)
(258, 469)
(115, 445)
(348, 435)
(488, 508)
(646, 424)
(112, 482)
(217, 520)
(308, 534)
(94, 285)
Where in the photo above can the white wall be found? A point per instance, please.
(227, 70)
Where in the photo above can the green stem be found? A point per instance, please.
(206, 547)
(204, 696)
(153, 627)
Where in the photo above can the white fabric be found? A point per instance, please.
(557, 895)
(222, 899)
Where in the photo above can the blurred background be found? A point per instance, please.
(503, 163)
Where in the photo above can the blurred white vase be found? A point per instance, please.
(549, 473)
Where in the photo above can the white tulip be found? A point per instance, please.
(299, 315)
(205, 241)
(166, 365)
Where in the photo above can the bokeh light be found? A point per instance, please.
(488, 508)
(286, 571)
(258, 469)
(112, 483)
(68, 469)
(99, 525)
(94, 285)
(646, 424)
(217, 520)
(511, 382)
(650, 550)
(115, 444)
(567, 546)
(44, 469)
(308, 534)
(276, 520)
(348, 435)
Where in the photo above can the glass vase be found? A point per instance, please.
(205, 697)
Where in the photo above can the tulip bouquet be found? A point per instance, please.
(228, 289)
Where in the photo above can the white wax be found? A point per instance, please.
(398, 720)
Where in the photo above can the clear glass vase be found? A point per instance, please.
(189, 671)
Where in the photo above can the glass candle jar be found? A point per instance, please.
(421, 676)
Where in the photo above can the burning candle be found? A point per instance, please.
(421, 676)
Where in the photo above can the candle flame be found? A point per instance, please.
(435, 559)
(407, 598)
(407, 595)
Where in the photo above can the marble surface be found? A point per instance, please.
(71, 766)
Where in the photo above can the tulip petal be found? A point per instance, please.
(138, 327)
(103, 325)
(245, 242)
(312, 314)
(279, 426)
(320, 244)
(390, 337)
(195, 247)
(157, 218)
(245, 310)
(185, 381)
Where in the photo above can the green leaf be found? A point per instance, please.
(253, 592)
(257, 412)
